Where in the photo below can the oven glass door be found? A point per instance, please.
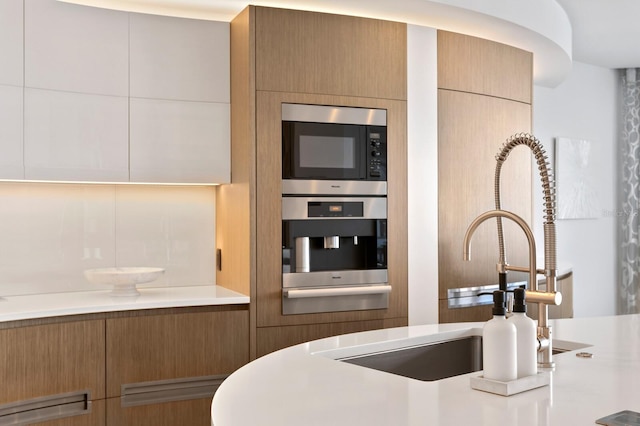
(325, 151)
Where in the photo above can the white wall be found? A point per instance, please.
(584, 106)
(422, 117)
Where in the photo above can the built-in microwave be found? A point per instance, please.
(333, 143)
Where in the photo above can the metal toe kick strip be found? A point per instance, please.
(46, 408)
(159, 391)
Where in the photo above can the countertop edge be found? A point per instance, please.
(28, 307)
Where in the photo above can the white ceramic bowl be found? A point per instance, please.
(123, 280)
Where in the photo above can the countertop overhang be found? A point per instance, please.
(302, 385)
(15, 308)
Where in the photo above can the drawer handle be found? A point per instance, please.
(143, 393)
(46, 408)
(337, 291)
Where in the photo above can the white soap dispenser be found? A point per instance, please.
(499, 344)
(527, 336)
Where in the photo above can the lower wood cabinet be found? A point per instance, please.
(45, 365)
(175, 413)
(95, 417)
(149, 367)
(270, 339)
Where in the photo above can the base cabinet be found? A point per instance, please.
(175, 413)
(149, 367)
(96, 417)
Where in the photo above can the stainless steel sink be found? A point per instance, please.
(434, 361)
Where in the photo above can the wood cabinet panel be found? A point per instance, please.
(274, 338)
(268, 203)
(472, 128)
(193, 412)
(471, 64)
(235, 204)
(52, 359)
(309, 52)
(162, 347)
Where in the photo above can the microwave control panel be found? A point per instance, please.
(377, 155)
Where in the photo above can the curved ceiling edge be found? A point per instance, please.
(541, 27)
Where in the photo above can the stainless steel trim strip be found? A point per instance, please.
(334, 304)
(334, 114)
(334, 278)
(46, 408)
(333, 187)
(465, 297)
(296, 208)
(336, 291)
(154, 392)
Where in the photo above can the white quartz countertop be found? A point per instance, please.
(305, 385)
(13, 308)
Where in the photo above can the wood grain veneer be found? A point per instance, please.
(310, 52)
(193, 412)
(475, 65)
(236, 203)
(293, 56)
(162, 347)
(274, 338)
(52, 359)
(97, 417)
(471, 130)
(269, 195)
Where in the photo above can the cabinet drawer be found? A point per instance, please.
(195, 412)
(163, 347)
(52, 359)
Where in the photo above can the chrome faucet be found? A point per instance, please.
(550, 296)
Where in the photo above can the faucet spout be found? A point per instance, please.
(525, 228)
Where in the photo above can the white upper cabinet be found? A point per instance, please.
(11, 42)
(179, 106)
(179, 59)
(11, 132)
(179, 141)
(112, 96)
(76, 48)
(75, 136)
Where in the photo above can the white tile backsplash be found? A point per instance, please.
(51, 233)
(169, 227)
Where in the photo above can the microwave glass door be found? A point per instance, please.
(327, 151)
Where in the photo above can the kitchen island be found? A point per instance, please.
(307, 385)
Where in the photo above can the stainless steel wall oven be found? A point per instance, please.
(334, 209)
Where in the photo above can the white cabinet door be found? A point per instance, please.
(76, 48)
(11, 42)
(75, 137)
(179, 59)
(179, 142)
(11, 162)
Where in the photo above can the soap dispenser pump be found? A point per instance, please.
(527, 335)
(499, 344)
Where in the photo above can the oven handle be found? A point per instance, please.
(336, 291)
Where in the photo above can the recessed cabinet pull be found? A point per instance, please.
(45, 408)
(159, 391)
